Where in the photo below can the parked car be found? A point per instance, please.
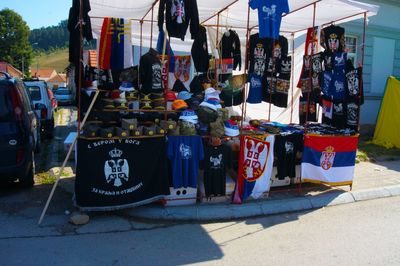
(43, 105)
(18, 132)
(64, 96)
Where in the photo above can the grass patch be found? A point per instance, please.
(367, 151)
(57, 60)
(45, 178)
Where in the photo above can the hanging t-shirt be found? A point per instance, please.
(283, 83)
(286, 148)
(216, 160)
(338, 91)
(352, 115)
(256, 89)
(185, 153)
(354, 85)
(270, 16)
(258, 53)
(339, 115)
(332, 38)
(312, 107)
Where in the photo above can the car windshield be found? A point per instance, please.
(62, 92)
(5, 104)
(34, 92)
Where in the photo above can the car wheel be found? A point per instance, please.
(29, 179)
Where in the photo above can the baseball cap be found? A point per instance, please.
(189, 116)
(212, 93)
(231, 128)
(170, 96)
(126, 86)
(211, 103)
(179, 104)
(184, 95)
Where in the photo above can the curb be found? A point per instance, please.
(228, 211)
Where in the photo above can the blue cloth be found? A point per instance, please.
(255, 91)
(160, 43)
(185, 153)
(270, 16)
(117, 44)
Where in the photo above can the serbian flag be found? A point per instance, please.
(115, 46)
(327, 107)
(255, 167)
(329, 159)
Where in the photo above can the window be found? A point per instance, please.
(351, 48)
(34, 92)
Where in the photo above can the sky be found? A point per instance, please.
(39, 13)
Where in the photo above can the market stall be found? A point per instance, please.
(206, 113)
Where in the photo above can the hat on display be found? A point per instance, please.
(184, 95)
(212, 93)
(157, 96)
(187, 128)
(170, 96)
(159, 104)
(206, 114)
(179, 104)
(115, 94)
(211, 103)
(126, 86)
(231, 128)
(189, 116)
(217, 128)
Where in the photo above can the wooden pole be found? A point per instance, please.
(66, 160)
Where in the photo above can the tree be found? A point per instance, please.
(14, 40)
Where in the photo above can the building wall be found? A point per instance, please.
(382, 54)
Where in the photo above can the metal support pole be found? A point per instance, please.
(310, 75)
(360, 91)
(80, 64)
(141, 37)
(151, 29)
(246, 65)
(216, 47)
(291, 105)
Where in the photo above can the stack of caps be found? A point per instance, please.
(189, 116)
(188, 122)
(211, 99)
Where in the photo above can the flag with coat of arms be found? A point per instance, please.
(329, 159)
(255, 167)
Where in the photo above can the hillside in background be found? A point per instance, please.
(57, 59)
(51, 37)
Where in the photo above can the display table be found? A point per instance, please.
(119, 173)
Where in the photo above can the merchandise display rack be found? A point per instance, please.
(248, 29)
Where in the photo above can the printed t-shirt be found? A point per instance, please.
(270, 16)
(184, 153)
(216, 160)
(286, 148)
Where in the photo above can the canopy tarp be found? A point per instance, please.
(296, 21)
(233, 14)
(388, 123)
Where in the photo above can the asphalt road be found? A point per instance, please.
(364, 233)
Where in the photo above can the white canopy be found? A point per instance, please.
(233, 14)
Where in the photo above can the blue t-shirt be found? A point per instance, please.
(269, 16)
(255, 91)
(185, 153)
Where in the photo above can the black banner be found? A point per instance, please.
(120, 173)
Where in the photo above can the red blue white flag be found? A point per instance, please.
(115, 46)
(255, 168)
(329, 159)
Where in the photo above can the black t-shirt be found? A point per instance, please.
(312, 107)
(339, 115)
(353, 110)
(216, 160)
(286, 148)
(354, 82)
(332, 38)
(260, 50)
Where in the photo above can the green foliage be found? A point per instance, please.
(14, 42)
(50, 38)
